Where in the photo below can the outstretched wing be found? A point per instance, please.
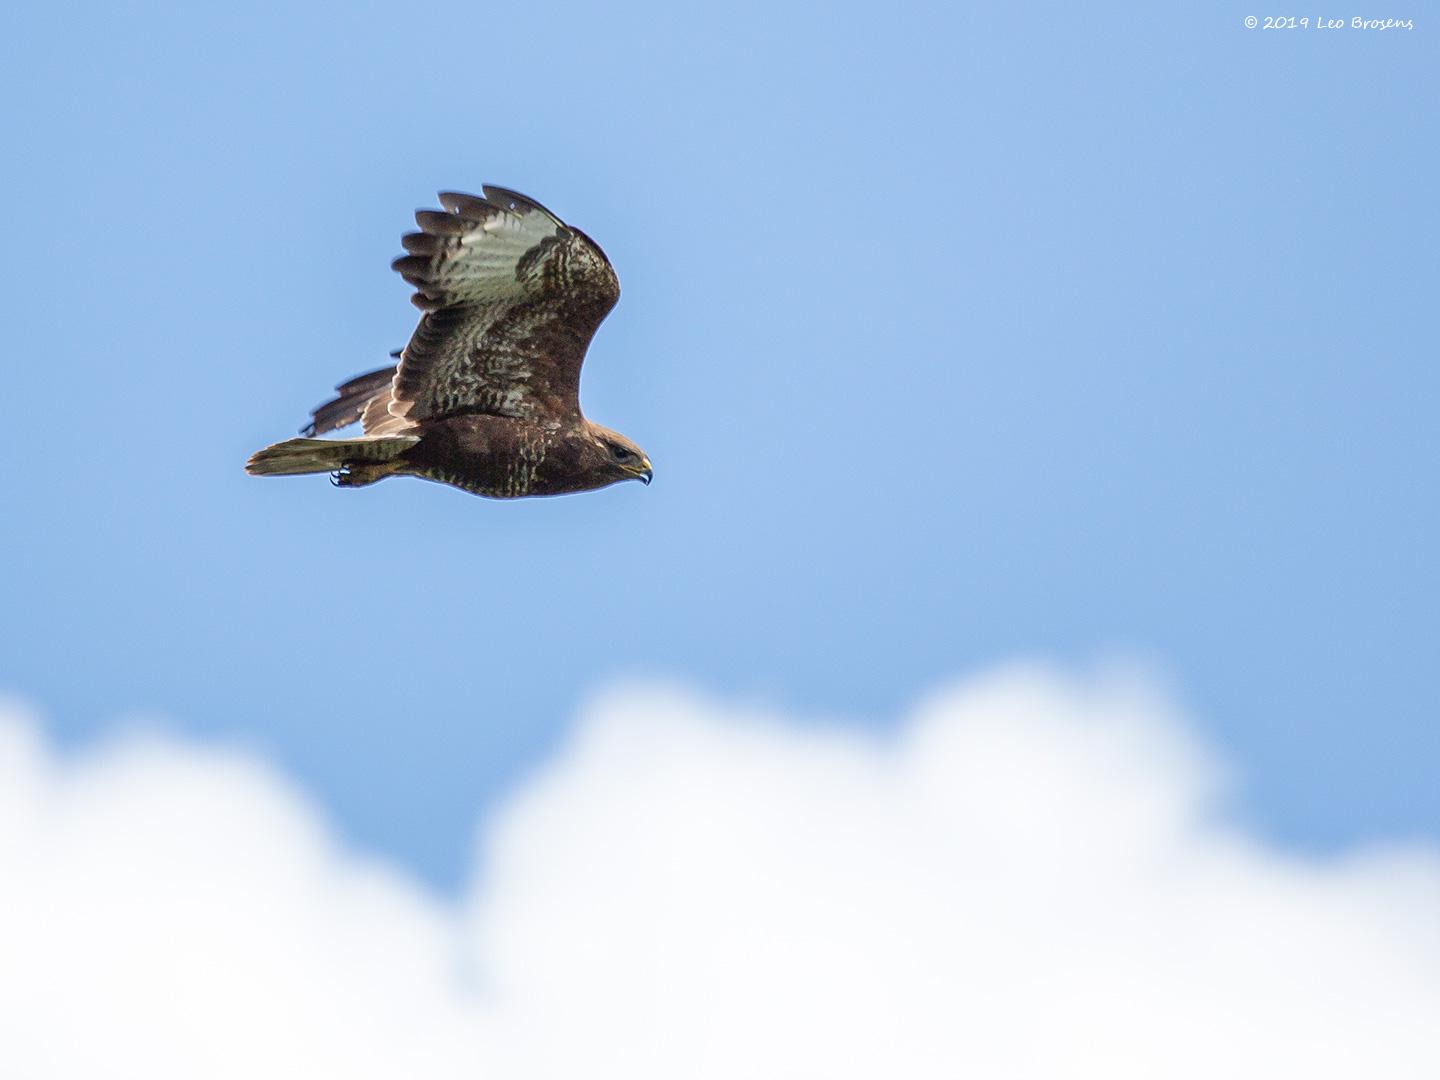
(512, 296)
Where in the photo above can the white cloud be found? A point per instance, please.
(1028, 880)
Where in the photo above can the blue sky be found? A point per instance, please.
(955, 336)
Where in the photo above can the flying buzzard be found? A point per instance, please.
(486, 396)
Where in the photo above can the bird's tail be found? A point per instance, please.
(356, 461)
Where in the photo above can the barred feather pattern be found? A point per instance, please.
(512, 297)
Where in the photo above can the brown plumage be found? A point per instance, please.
(486, 396)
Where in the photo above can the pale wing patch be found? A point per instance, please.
(378, 419)
(470, 254)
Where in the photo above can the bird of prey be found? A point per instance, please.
(486, 396)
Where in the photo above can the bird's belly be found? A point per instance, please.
(487, 460)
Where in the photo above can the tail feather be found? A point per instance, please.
(360, 461)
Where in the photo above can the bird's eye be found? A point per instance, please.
(619, 453)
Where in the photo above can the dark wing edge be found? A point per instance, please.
(352, 397)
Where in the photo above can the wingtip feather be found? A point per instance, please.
(470, 208)
(439, 223)
(419, 243)
(514, 201)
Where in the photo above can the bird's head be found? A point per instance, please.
(618, 457)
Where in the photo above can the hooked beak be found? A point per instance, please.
(646, 476)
